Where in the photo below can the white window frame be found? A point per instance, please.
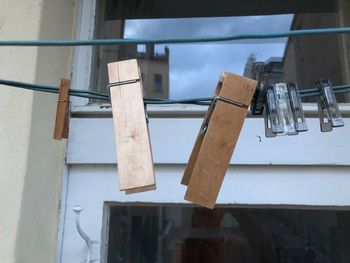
(82, 68)
(82, 59)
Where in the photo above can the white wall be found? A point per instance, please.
(15, 115)
(31, 162)
(310, 170)
(173, 139)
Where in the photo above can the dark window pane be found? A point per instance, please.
(158, 83)
(187, 234)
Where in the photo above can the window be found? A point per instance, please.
(192, 70)
(158, 83)
(240, 235)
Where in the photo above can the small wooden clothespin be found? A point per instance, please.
(133, 147)
(217, 138)
(62, 112)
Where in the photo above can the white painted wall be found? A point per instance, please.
(15, 115)
(173, 140)
(310, 170)
(31, 162)
(259, 186)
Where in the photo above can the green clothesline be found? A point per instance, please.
(200, 101)
(102, 42)
(102, 96)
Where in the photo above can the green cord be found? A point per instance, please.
(199, 101)
(102, 96)
(103, 42)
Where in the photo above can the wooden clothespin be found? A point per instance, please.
(217, 138)
(62, 112)
(133, 147)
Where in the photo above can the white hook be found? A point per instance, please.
(77, 209)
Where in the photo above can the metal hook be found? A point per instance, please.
(88, 241)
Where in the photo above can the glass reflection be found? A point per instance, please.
(187, 234)
(192, 70)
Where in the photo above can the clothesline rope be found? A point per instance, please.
(103, 42)
(200, 101)
(102, 96)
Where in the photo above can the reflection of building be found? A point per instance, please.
(154, 66)
(309, 58)
(273, 66)
(154, 69)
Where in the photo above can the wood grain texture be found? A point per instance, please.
(141, 189)
(198, 144)
(133, 148)
(193, 158)
(62, 112)
(212, 152)
(238, 88)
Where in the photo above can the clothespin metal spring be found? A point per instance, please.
(119, 83)
(204, 126)
(125, 82)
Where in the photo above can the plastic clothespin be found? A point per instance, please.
(328, 109)
(133, 146)
(264, 73)
(297, 107)
(62, 112)
(284, 113)
(217, 139)
(272, 119)
(258, 102)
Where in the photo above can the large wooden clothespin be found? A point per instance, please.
(133, 147)
(217, 138)
(62, 112)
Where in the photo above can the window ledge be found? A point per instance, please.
(181, 110)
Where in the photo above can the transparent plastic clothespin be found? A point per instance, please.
(325, 122)
(273, 122)
(328, 109)
(284, 114)
(257, 106)
(284, 109)
(297, 108)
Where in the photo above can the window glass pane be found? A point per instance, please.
(158, 87)
(187, 234)
(192, 70)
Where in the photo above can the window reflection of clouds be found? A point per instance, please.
(199, 27)
(195, 68)
(194, 71)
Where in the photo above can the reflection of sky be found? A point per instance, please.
(195, 68)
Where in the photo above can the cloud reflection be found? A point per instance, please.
(195, 68)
